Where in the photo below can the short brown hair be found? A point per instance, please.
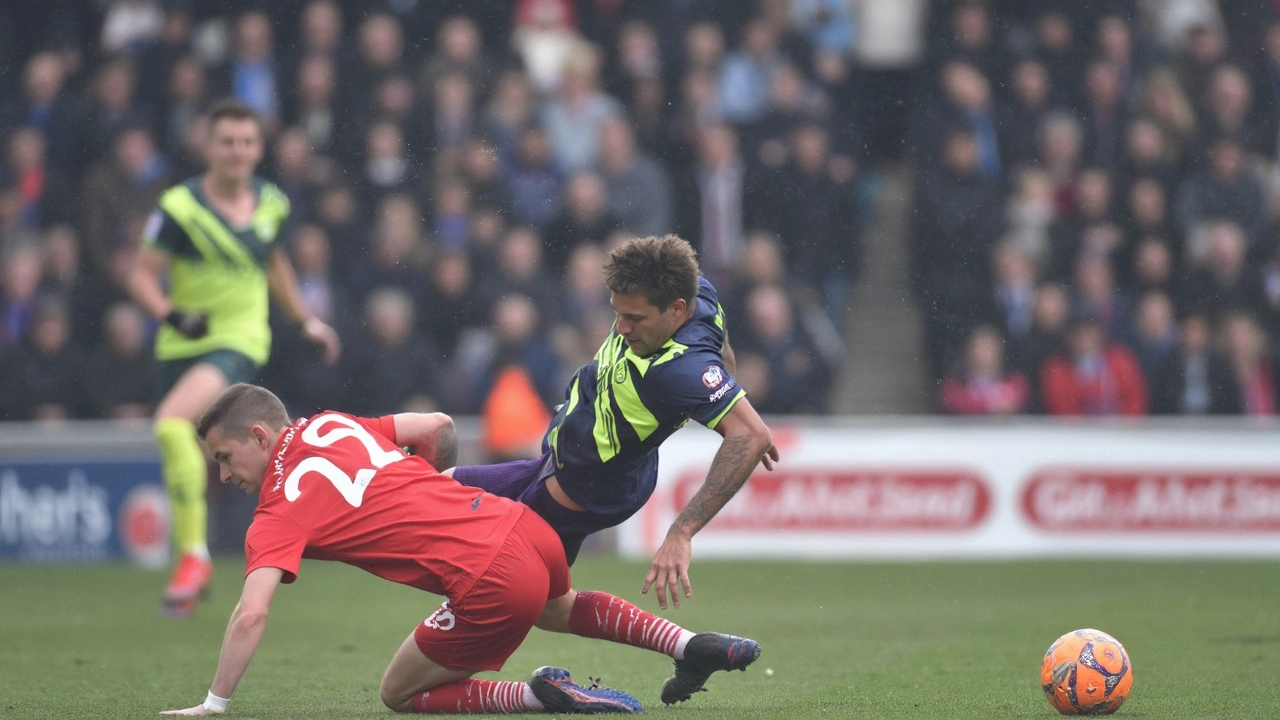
(232, 109)
(663, 269)
(239, 408)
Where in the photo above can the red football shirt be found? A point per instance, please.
(339, 488)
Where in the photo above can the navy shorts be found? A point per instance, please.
(525, 481)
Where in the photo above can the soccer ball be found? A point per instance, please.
(1086, 672)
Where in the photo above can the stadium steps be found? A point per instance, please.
(884, 367)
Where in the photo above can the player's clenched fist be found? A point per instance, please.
(190, 325)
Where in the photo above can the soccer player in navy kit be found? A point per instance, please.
(663, 363)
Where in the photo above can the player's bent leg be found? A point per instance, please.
(411, 674)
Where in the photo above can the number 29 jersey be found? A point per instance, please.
(338, 487)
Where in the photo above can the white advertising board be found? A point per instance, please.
(942, 490)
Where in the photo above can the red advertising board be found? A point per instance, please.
(1067, 499)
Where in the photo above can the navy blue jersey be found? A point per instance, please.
(620, 407)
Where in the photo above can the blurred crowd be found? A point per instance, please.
(1092, 228)
(1097, 205)
(458, 172)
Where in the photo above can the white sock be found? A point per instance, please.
(200, 551)
(685, 637)
(530, 700)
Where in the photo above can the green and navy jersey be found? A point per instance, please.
(620, 407)
(217, 269)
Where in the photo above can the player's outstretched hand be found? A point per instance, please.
(319, 332)
(670, 570)
(191, 711)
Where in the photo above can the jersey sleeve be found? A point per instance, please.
(274, 541)
(700, 387)
(384, 426)
(164, 233)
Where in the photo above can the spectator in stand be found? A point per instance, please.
(68, 277)
(1048, 336)
(43, 374)
(745, 73)
(1223, 281)
(637, 186)
(1094, 376)
(1062, 57)
(1148, 213)
(186, 99)
(1013, 299)
(957, 222)
(299, 172)
(1029, 214)
(533, 184)
(1096, 295)
(113, 107)
(388, 168)
(799, 379)
(546, 38)
(126, 185)
(1195, 379)
(40, 190)
(451, 222)
(509, 114)
(380, 54)
(459, 50)
(1155, 334)
(125, 357)
(573, 118)
(715, 199)
(395, 368)
(1105, 114)
(585, 296)
(454, 304)
(585, 218)
(1252, 364)
(520, 270)
(1229, 112)
(792, 102)
(316, 107)
(1074, 234)
(253, 69)
(517, 341)
(1060, 146)
(983, 386)
(130, 26)
(19, 293)
(1019, 118)
(481, 170)
(813, 211)
(1147, 156)
(398, 256)
(1165, 102)
(1224, 190)
(44, 104)
(1154, 268)
(454, 120)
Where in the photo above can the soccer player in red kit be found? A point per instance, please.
(338, 487)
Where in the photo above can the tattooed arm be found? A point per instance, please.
(430, 436)
(747, 442)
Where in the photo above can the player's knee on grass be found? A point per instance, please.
(410, 673)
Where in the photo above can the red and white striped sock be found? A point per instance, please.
(477, 696)
(608, 617)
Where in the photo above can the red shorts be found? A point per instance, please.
(483, 628)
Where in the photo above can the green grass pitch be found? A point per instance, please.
(859, 640)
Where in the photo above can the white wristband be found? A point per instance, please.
(213, 703)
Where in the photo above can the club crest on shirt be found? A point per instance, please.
(712, 376)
